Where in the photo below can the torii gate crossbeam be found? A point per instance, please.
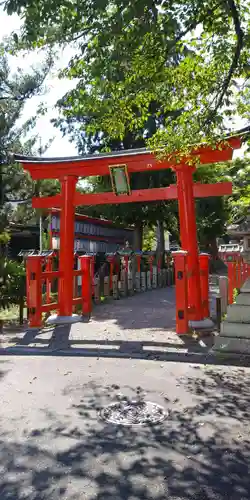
(140, 195)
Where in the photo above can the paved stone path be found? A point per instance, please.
(138, 325)
(55, 445)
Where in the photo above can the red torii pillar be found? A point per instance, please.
(66, 253)
(188, 233)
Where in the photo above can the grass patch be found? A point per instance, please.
(11, 315)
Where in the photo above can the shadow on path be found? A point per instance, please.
(187, 457)
(192, 350)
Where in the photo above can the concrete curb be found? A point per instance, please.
(209, 358)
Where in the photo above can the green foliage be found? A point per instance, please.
(235, 294)
(15, 89)
(161, 74)
(15, 184)
(148, 239)
(4, 238)
(185, 55)
(12, 279)
(239, 172)
(45, 241)
(214, 214)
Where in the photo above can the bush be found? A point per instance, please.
(12, 282)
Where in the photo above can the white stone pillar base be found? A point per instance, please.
(203, 324)
(54, 319)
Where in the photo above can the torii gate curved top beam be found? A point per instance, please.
(137, 160)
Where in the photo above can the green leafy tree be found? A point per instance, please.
(141, 38)
(15, 184)
(216, 213)
(239, 172)
(174, 64)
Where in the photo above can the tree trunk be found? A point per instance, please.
(138, 237)
(160, 238)
(213, 248)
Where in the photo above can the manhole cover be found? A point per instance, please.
(133, 413)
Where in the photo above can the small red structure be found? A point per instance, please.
(68, 170)
(91, 234)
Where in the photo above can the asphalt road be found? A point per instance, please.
(54, 444)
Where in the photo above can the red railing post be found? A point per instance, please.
(237, 271)
(151, 260)
(138, 262)
(232, 282)
(126, 257)
(181, 290)
(86, 267)
(48, 268)
(34, 290)
(76, 278)
(93, 274)
(204, 279)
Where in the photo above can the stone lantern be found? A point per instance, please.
(234, 336)
(241, 232)
(245, 230)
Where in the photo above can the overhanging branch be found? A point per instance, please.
(196, 21)
(237, 52)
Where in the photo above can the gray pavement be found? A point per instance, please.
(55, 445)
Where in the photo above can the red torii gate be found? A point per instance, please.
(68, 170)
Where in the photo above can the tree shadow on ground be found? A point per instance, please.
(184, 458)
(59, 337)
(3, 368)
(59, 343)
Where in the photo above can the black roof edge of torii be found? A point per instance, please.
(244, 133)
